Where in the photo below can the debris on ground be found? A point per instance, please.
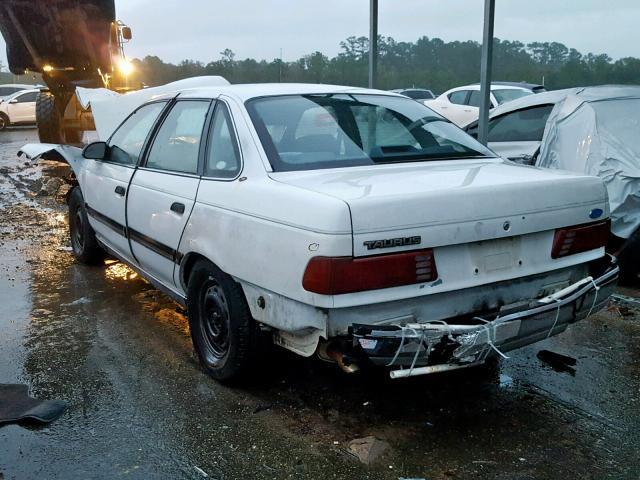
(368, 449)
(557, 361)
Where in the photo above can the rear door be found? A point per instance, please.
(163, 190)
(106, 182)
(24, 108)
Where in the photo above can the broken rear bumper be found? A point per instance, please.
(432, 346)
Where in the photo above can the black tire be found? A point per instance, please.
(629, 261)
(49, 117)
(4, 121)
(224, 335)
(83, 239)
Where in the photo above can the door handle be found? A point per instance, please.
(177, 207)
(120, 190)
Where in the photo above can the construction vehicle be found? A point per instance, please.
(72, 43)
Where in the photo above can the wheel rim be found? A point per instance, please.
(3, 123)
(77, 231)
(215, 322)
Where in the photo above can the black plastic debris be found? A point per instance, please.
(17, 405)
(557, 361)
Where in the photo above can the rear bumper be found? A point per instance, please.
(419, 348)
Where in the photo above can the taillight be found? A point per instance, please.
(581, 238)
(336, 275)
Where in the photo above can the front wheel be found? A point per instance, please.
(83, 239)
(224, 334)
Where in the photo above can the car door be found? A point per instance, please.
(22, 108)
(163, 190)
(457, 110)
(106, 182)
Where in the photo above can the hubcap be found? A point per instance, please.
(77, 234)
(215, 322)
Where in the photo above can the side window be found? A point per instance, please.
(177, 143)
(27, 97)
(223, 160)
(520, 126)
(474, 98)
(126, 143)
(458, 97)
(5, 91)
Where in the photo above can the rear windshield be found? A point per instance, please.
(508, 94)
(307, 132)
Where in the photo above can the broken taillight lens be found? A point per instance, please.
(581, 238)
(336, 275)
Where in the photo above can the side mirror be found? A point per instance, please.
(126, 33)
(14, 100)
(95, 151)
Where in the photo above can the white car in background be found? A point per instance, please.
(7, 89)
(18, 108)
(351, 223)
(592, 130)
(461, 105)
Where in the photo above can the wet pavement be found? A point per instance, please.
(140, 407)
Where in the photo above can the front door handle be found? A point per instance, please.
(177, 207)
(120, 190)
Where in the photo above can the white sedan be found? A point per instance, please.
(461, 105)
(18, 108)
(352, 223)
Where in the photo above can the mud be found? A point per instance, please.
(119, 353)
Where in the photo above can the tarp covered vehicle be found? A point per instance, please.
(72, 43)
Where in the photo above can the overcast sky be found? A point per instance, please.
(200, 29)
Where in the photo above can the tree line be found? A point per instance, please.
(427, 62)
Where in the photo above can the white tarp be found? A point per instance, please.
(110, 108)
(597, 131)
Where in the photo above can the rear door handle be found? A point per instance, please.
(120, 190)
(177, 207)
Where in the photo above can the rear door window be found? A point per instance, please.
(177, 143)
(27, 97)
(520, 126)
(474, 98)
(459, 97)
(223, 158)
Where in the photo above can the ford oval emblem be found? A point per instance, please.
(596, 213)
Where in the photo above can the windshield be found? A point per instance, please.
(507, 94)
(307, 132)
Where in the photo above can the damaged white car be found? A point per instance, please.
(354, 223)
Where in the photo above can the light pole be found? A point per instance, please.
(485, 70)
(373, 43)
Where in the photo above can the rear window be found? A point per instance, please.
(508, 94)
(6, 91)
(306, 132)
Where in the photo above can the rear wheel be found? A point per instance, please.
(83, 239)
(225, 336)
(4, 121)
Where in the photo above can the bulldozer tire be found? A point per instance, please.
(50, 122)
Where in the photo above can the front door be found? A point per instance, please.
(106, 182)
(163, 190)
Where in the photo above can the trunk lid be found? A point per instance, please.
(453, 202)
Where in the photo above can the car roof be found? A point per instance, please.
(525, 85)
(21, 92)
(543, 98)
(248, 91)
(476, 86)
(19, 85)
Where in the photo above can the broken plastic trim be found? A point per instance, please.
(437, 346)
